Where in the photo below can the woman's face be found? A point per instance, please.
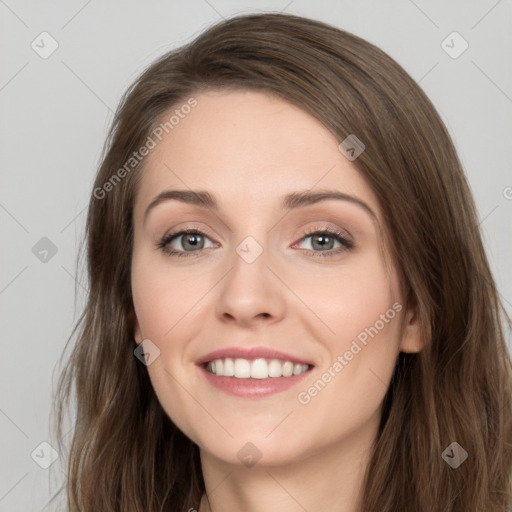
(262, 285)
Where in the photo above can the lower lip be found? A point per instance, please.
(252, 388)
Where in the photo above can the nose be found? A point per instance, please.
(250, 293)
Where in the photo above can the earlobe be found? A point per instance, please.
(137, 334)
(411, 338)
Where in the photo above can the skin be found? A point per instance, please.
(248, 149)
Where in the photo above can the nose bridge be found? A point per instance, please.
(249, 272)
(250, 289)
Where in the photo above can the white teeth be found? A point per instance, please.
(259, 368)
(287, 369)
(242, 369)
(296, 369)
(229, 368)
(275, 368)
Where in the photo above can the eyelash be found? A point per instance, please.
(345, 242)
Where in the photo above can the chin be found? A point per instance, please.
(256, 451)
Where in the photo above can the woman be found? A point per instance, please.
(335, 341)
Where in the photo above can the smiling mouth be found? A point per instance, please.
(259, 368)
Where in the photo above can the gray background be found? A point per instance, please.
(54, 117)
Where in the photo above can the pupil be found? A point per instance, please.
(324, 240)
(192, 240)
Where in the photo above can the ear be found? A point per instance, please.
(136, 331)
(411, 337)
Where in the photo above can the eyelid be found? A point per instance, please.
(173, 234)
(179, 231)
(343, 233)
(346, 240)
(342, 236)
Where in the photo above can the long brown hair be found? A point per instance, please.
(127, 455)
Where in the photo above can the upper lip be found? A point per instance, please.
(250, 353)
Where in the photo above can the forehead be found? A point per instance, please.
(250, 147)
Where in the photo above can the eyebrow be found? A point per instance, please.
(293, 200)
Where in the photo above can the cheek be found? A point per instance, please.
(164, 305)
(162, 298)
(348, 300)
(359, 317)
